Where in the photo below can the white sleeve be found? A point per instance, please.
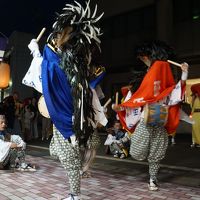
(176, 95)
(18, 140)
(4, 150)
(99, 113)
(128, 96)
(109, 140)
(132, 117)
(99, 92)
(33, 77)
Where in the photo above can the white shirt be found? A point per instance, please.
(5, 146)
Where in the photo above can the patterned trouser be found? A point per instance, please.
(13, 155)
(151, 143)
(88, 154)
(94, 140)
(69, 157)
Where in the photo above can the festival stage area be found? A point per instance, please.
(112, 179)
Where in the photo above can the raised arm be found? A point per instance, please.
(33, 75)
(184, 76)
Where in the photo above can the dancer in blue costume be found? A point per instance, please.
(62, 75)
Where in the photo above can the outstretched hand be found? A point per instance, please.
(184, 76)
(13, 145)
(34, 47)
(116, 107)
(184, 67)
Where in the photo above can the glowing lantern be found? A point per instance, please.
(4, 75)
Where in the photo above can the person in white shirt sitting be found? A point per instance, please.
(117, 140)
(12, 147)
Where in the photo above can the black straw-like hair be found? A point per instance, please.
(75, 55)
(155, 50)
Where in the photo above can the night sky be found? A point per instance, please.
(29, 16)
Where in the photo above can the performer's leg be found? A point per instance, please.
(53, 145)
(173, 140)
(158, 147)
(72, 166)
(139, 146)
(193, 139)
(88, 160)
(153, 170)
(89, 154)
(69, 157)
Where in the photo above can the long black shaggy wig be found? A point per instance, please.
(155, 50)
(75, 58)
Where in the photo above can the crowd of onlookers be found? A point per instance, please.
(24, 119)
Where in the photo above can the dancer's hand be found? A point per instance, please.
(116, 107)
(105, 110)
(184, 67)
(34, 47)
(13, 145)
(99, 125)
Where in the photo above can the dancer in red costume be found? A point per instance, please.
(159, 90)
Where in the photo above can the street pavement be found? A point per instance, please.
(112, 178)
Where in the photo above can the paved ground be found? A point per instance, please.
(112, 179)
(181, 154)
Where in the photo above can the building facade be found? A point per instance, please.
(128, 23)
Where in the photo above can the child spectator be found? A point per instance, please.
(12, 147)
(118, 141)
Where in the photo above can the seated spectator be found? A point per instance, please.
(12, 147)
(118, 141)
